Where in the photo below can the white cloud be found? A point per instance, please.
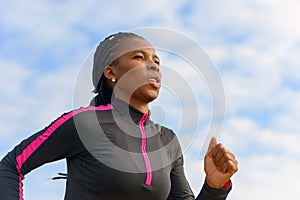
(266, 177)
(41, 180)
(12, 77)
(12, 83)
(25, 92)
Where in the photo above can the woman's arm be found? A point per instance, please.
(58, 140)
(219, 166)
(180, 188)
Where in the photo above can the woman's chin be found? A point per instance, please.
(152, 95)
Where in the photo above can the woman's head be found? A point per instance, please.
(115, 64)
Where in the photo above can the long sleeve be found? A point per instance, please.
(58, 140)
(180, 188)
(208, 193)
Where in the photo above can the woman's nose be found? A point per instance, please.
(153, 67)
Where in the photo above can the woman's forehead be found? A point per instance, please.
(131, 45)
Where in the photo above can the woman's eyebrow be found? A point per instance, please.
(144, 53)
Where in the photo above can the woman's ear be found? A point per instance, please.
(109, 72)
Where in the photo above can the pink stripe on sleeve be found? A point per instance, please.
(35, 144)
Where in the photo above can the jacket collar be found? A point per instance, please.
(129, 111)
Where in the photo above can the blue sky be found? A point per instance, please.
(253, 44)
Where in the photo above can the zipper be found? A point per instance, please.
(144, 151)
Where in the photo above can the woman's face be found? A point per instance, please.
(137, 72)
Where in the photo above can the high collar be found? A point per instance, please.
(129, 111)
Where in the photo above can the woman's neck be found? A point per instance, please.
(139, 105)
(143, 107)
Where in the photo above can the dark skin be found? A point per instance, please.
(135, 72)
(138, 81)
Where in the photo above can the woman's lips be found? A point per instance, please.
(154, 82)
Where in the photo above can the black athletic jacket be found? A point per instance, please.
(112, 152)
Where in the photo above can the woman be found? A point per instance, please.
(113, 150)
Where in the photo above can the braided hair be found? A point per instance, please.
(106, 54)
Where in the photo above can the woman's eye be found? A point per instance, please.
(157, 62)
(138, 57)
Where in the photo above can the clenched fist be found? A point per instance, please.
(219, 164)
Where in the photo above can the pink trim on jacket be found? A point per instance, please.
(35, 144)
(144, 151)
